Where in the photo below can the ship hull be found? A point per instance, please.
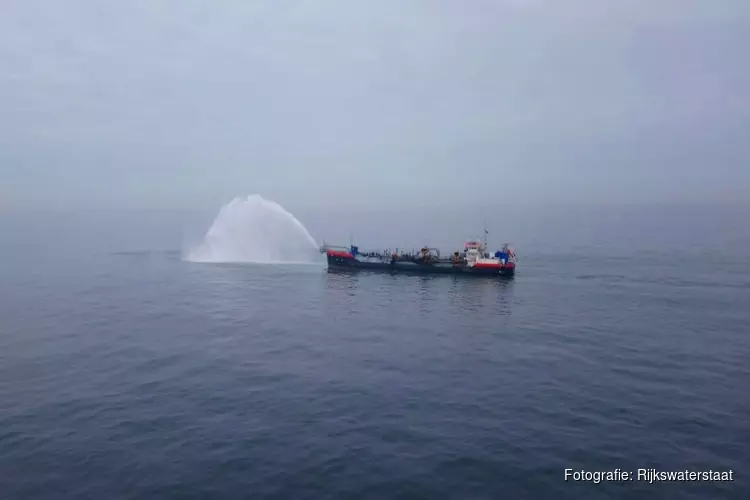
(348, 264)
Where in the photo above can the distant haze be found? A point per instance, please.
(181, 104)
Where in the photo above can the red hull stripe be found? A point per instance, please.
(336, 253)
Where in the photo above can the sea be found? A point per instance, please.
(172, 354)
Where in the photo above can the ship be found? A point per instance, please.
(473, 260)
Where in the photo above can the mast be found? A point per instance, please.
(485, 235)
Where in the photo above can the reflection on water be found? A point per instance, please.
(482, 293)
(428, 293)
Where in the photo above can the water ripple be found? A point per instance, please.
(155, 378)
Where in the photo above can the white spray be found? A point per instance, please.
(254, 229)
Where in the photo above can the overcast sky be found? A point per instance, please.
(183, 103)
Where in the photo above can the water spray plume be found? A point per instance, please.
(254, 229)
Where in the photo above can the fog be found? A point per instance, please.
(173, 104)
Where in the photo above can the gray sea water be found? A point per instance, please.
(127, 372)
